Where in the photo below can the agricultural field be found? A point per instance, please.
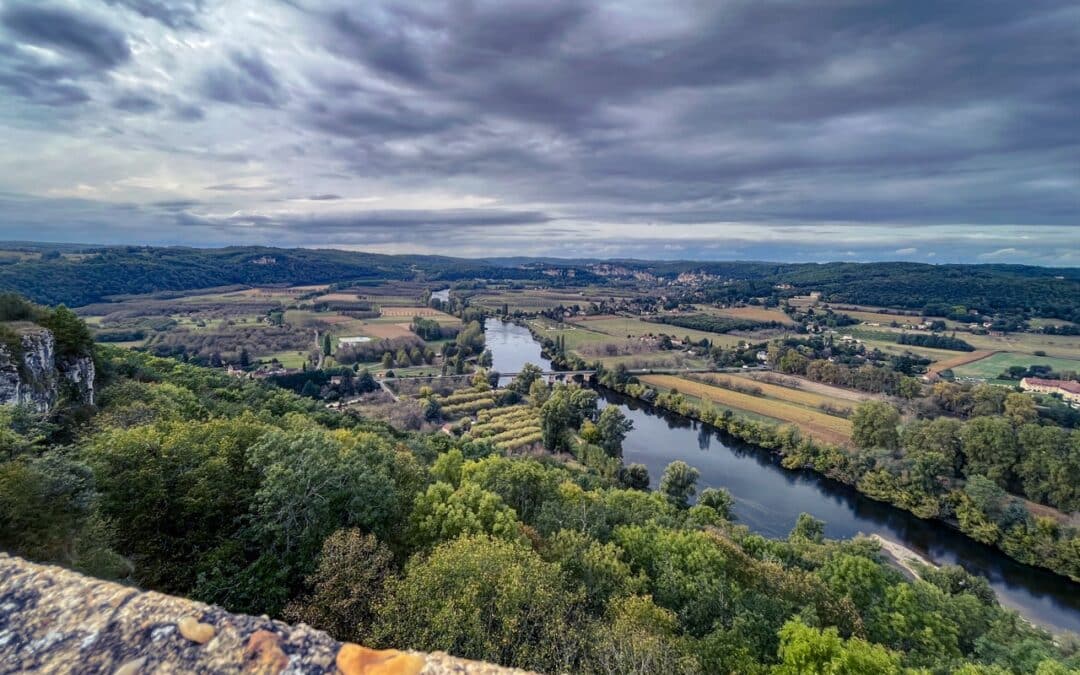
(991, 367)
(813, 423)
(576, 334)
(887, 341)
(656, 361)
(810, 399)
(763, 314)
(829, 391)
(226, 320)
(508, 428)
(1061, 346)
(1040, 322)
(529, 300)
(465, 402)
(959, 360)
(632, 327)
(881, 318)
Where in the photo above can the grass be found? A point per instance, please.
(956, 361)
(815, 424)
(883, 319)
(287, 359)
(1060, 346)
(1040, 322)
(576, 334)
(623, 327)
(655, 360)
(992, 367)
(752, 313)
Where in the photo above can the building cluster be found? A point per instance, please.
(1067, 389)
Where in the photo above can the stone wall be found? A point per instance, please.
(53, 620)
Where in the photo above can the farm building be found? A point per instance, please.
(1069, 390)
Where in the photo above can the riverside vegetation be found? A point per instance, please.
(955, 470)
(246, 495)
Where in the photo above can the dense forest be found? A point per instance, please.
(249, 496)
(951, 290)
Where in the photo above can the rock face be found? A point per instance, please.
(56, 621)
(36, 376)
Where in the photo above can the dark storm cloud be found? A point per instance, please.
(188, 112)
(85, 49)
(444, 220)
(70, 32)
(178, 14)
(26, 75)
(246, 79)
(762, 109)
(893, 116)
(135, 103)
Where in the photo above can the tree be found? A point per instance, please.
(679, 483)
(1020, 409)
(484, 598)
(599, 568)
(327, 345)
(556, 415)
(639, 637)
(719, 500)
(443, 513)
(245, 358)
(523, 381)
(812, 651)
(909, 388)
(990, 449)
(874, 425)
(72, 336)
(346, 587)
(387, 360)
(431, 409)
(635, 477)
(808, 528)
(538, 392)
(686, 571)
(613, 427)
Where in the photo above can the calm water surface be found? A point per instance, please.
(769, 498)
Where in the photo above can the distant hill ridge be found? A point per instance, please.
(78, 280)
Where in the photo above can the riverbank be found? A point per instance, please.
(1034, 542)
(771, 495)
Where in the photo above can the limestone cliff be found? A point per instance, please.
(56, 621)
(33, 374)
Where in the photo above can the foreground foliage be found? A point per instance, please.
(263, 501)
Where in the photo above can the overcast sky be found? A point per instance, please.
(752, 129)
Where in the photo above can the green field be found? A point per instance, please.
(624, 327)
(576, 334)
(993, 366)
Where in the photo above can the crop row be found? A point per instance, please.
(468, 406)
(505, 422)
(495, 413)
(520, 441)
(463, 396)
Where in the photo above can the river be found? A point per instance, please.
(769, 498)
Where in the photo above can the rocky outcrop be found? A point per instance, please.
(34, 375)
(56, 621)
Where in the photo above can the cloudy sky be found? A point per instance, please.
(719, 129)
